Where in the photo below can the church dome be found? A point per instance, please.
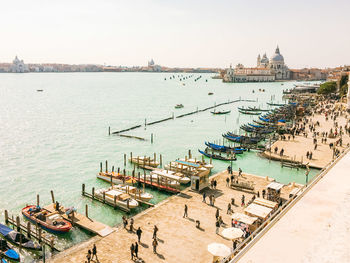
(277, 57)
(264, 59)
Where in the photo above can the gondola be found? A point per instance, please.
(220, 112)
(218, 157)
(18, 239)
(7, 252)
(249, 112)
(51, 222)
(257, 109)
(225, 149)
(275, 104)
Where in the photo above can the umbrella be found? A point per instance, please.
(232, 233)
(219, 250)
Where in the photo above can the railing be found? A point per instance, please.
(244, 246)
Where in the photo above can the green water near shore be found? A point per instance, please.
(55, 139)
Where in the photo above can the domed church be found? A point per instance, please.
(276, 64)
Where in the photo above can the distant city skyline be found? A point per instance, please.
(182, 34)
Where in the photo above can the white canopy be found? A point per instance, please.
(258, 210)
(249, 220)
(219, 250)
(232, 233)
(266, 203)
(275, 186)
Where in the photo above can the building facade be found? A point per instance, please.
(18, 66)
(266, 70)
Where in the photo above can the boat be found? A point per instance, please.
(220, 112)
(210, 93)
(173, 177)
(39, 90)
(122, 199)
(117, 178)
(143, 160)
(222, 148)
(189, 168)
(249, 112)
(257, 109)
(218, 156)
(133, 191)
(199, 162)
(18, 239)
(275, 104)
(51, 222)
(7, 252)
(179, 106)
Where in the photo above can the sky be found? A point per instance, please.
(174, 33)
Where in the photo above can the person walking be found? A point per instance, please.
(215, 184)
(211, 199)
(132, 225)
(239, 172)
(185, 211)
(94, 253)
(138, 233)
(125, 221)
(88, 256)
(243, 200)
(229, 209)
(155, 230)
(132, 250)
(227, 181)
(217, 213)
(217, 225)
(204, 196)
(136, 249)
(155, 244)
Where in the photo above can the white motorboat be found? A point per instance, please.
(123, 200)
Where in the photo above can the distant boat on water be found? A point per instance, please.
(39, 90)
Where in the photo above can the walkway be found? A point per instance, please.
(316, 229)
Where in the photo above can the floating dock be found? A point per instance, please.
(83, 221)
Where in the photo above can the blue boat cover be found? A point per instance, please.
(187, 163)
(12, 254)
(281, 120)
(263, 119)
(4, 230)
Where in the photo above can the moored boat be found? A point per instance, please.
(7, 252)
(228, 157)
(122, 199)
(117, 178)
(142, 160)
(179, 106)
(220, 112)
(18, 239)
(51, 222)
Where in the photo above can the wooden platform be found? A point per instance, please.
(84, 222)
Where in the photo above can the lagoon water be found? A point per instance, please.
(55, 139)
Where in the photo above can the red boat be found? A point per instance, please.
(51, 222)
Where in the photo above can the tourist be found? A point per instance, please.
(234, 244)
(229, 208)
(136, 249)
(217, 225)
(132, 250)
(138, 233)
(315, 147)
(185, 211)
(263, 193)
(212, 184)
(310, 156)
(307, 154)
(88, 256)
(94, 253)
(125, 221)
(211, 200)
(217, 213)
(204, 196)
(232, 201)
(232, 178)
(155, 230)
(227, 182)
(276, 150)
(239, 172)
(243, 200)
(132, 225)
(155, 244)
(258, 194)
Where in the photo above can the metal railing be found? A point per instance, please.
(244, 246)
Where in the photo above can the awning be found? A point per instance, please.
(258, 210)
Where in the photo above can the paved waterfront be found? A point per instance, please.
(298, 147)
(179, 239)
(316, 229)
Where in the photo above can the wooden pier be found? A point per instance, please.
(83, 221)
(31, 231)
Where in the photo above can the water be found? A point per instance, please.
(55, 139)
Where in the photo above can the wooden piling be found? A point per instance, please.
(106, 166)
(130, 155)
(189, 154)
(100, 167)
(18, 224)
(37, 200)
(40, 234)
(154, 157)
(160, 160)
(52, 197)
(86, 211)
(6, 217)
(124, 159)
(151, 137)
(93, 193)
(29, 229)
(115, 202)
(113, 169)
(109, 130)
(103, 197)
(83, 189)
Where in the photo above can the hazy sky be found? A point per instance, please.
(175, 33)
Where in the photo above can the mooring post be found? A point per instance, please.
(189, 154)
(86, 211)
(106, 166)
(111, 180)
(124, 159)
(118, 170)
(145, 122)
(40, 234)
(83, 189)
(20, 240)
(37, 200)
(29, 229)
(154, 157)
(52, 197)
(131, 156)
(160, 160)
(115, 202)
(113, 169)
(6, 217)
(151, 137)
(109, 130)
(18, 223)
(104, 197)
(93, 193)
(100, 167)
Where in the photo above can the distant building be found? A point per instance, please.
(266, 70)
(152, 67)
(18, 66)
